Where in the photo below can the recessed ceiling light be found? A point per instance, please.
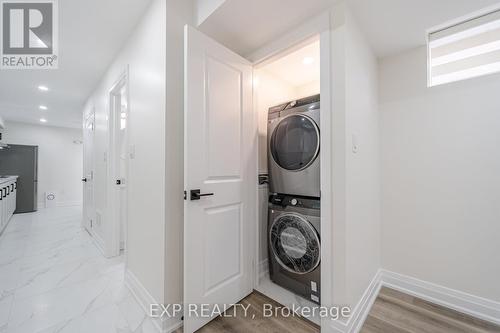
(308, 60)
(43, 107)
(43, 88)
(43, 120)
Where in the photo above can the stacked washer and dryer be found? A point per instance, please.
(294, 200)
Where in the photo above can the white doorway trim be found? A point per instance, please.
(116, 210)
(326, 89)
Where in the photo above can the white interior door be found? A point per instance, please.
(221, 163)
(119, 162)
(88, 172)
(122, 163)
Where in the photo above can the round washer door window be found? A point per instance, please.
(295, 243)
(295, 142)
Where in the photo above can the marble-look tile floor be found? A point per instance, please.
(54, 279)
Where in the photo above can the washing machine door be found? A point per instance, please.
(295, 142)
(295, 243)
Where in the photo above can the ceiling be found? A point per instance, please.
(244, 26)
(91, 33)
(298, 68)
(393, 26)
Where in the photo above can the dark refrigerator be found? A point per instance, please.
(22, 161)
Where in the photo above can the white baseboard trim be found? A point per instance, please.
(145, 299)
(41, 204)
(468, 304)
(69, 204)
(361, 310)
(475, 306)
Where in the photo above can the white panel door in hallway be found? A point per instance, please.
(88, 172)
(119, 162)
(220, 176)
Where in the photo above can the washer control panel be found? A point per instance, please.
(287, 200)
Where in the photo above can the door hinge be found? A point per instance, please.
(91, 224)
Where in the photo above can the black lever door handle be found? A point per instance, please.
(84, 180)
(196, 195)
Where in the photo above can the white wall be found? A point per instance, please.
(441, 179)
(204, 8)
(356, 187)
(179, 13)
(363, 168)
(60, 160)
(144, 54)
(309, 89)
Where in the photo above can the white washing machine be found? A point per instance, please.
(294, 146)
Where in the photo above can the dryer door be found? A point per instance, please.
(295, 142)
(295, 243)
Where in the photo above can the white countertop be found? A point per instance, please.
(8, 179)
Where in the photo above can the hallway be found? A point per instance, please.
(53, 279)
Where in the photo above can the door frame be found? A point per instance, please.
(113, 192)
(86, 117)
(317, 28)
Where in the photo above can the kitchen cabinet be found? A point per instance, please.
(8, 191)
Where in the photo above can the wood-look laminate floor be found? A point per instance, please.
(256, 322)
(392, 312)
(395, 312)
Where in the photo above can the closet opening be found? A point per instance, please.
(287, 100)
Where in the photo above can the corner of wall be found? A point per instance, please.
(356, 172)
(179, 13)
